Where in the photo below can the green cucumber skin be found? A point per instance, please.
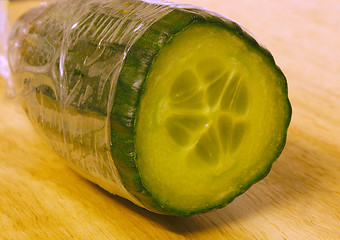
(129, 90)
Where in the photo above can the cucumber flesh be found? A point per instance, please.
(209, 123)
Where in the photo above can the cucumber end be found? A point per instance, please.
(212, 119)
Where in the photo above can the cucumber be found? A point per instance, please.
(173, 107)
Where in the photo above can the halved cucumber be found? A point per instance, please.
(186, 116)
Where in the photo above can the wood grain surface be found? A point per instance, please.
(41, 198)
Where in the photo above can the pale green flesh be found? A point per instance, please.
(209, 119)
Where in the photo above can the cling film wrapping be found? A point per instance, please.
(66, 59)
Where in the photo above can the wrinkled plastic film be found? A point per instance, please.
(73, 107)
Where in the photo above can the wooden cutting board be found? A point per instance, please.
(41, 198)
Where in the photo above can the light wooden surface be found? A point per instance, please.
(41, 198)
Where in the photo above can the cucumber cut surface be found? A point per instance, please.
(210, 120)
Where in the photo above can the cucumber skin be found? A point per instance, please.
(129, 90)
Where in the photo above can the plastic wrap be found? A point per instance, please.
(72, 111)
